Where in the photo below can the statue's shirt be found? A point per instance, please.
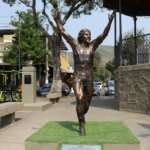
(83, 62)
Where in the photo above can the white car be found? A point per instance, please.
(71, 92)
(97, 87)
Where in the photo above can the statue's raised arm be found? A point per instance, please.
(60, 27)
(96, 42)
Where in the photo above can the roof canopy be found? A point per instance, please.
(130, 7)
(7, 31)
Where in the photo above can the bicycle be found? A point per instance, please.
(16, 96)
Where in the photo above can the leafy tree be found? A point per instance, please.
(97, 66)
(101, 72)
(66, 8)
(28, 39)
(104, 74)
(128, 46)
(110, 67)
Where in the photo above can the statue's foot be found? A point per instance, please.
(52, 101)
(57, 100)
(82, 130)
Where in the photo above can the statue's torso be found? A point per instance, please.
(83, 61)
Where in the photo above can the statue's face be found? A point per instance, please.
(86, 37)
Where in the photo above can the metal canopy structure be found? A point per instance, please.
(130, 7)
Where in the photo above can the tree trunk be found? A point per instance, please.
(56, 88)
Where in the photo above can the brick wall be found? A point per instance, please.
(133, 88)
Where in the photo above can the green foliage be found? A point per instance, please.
(128, 46)
(97, 59)
(110, 67)
(99, 71)
(102, 74)
(28, 38)
(10, 2)
(97, 66)
(87, 6)
(90, 4)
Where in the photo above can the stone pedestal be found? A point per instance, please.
(29, 84)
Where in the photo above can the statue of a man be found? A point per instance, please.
(83, 53)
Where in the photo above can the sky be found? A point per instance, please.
(95, 22)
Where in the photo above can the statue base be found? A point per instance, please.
(100, 136)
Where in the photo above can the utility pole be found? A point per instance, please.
(135, 41)
(19, 50)
(46, 57)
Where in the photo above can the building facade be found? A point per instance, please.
(6, 36)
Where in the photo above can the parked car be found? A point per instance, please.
(105, 87)
(71, 92)
(65, 89)
(97, 87)
(43, 90)
(110, 88)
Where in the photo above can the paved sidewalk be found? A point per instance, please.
(13, 136)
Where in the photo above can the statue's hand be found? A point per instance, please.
(56, 15)
(57, 18)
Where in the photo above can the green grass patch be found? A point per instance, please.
(96, 133)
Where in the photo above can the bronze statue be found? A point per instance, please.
(83, 52)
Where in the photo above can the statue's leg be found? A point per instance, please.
(83, 93)
(86, 106)
(80, 106)
(88, 92)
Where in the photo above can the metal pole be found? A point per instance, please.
(120, 32)
(115, 39)
(46, 57)
(19, 50)
(135, 41)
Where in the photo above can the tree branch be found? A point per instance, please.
(35, 17)
(46, 15)
(70, 10)
(26, 3)
(74, 7)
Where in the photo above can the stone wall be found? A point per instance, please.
(133, 88)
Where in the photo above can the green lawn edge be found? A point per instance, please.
(97, 133)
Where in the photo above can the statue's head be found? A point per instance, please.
(84, 36)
